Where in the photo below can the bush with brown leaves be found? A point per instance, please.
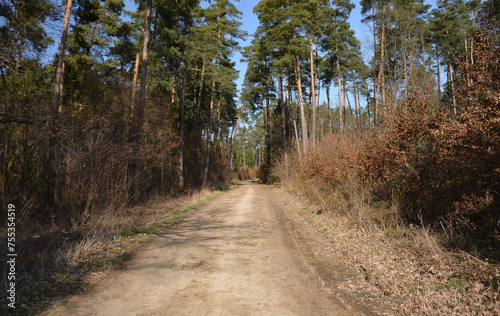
(444, 168)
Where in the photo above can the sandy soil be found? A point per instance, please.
(237, 255)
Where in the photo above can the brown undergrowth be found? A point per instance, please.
(246, 173)
(416, 200)
(404, 265)
(58, 262)
(442, 165)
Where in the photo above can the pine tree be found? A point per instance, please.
(340, 46)
(24, 29)
(222, 17)
(451, 25)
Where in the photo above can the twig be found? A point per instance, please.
(472, 257)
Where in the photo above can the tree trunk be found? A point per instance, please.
(450, 70)
(289, 102)
(297, 138)
(318, 91)
(438, 73)
(209, 134)
(405, 71)
(359, 113)
(244, 156)
(313, 94)
(235, 130)
(377, 95)
(411, 65)
(376, 84)
(344, 104)
(341, 121)
(62, 50)
(423, 48)
(181, 133)
(58, 87)
(61, 88)
(142, 100)
(134, 92)
(301, 101)
(268, 127)
(356, 106)
(200, 94)
(217, 124)
(329, 107)
(283, 119)
(382, 61)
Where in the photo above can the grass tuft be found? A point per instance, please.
(170, 218)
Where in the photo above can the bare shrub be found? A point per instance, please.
(245, 173)
(330, 177)
(285, 167)
(442, 167)
(234, 175)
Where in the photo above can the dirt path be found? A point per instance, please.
(230, 257)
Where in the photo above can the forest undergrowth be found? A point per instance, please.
(415, 200)
(60, 261)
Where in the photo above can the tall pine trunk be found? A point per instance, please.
(56, 109)
(133, 97)
(142, 102)
(329, 108)
(438, 74)
(58, 87)
(301, 100)
(181, 133)
(229, 153)
(344, 104)
(268, 127)
(209, 133)
(382, 61)
(341, 121)
(195, 132)
(450, 71)
(313, 94)
(405, 70)
(283, 119)
(356, 114)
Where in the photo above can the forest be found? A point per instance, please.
(103, 108)
(415, 127)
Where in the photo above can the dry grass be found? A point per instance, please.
(60, 260)
(406, 262)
